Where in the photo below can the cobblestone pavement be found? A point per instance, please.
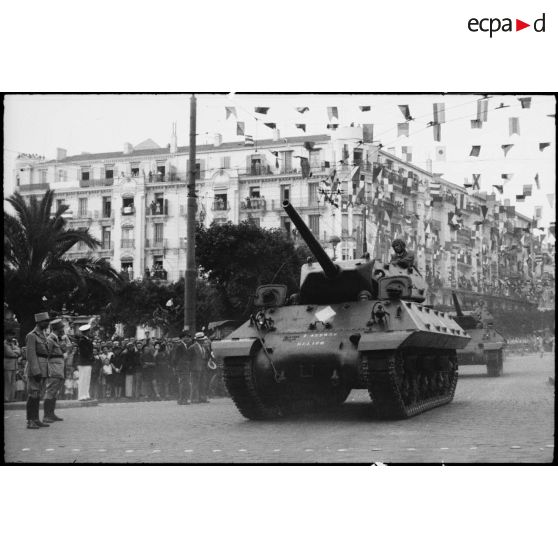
(506, 419)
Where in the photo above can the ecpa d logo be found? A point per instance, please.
(494, 24)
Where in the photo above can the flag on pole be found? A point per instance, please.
(441, 153)
(305, 167)
(484, 210)
(302, 110)
(240, 128)
(482, 110)
(507, 176)
(537, 181)
(376, 170)
(475, 151)
(527, 189)
(248, 140)
(543, 146)
(271, 125)
(538, 212)
(301, 127)
(514, 125)
(476, 124)
(364, 108)
(332, 113)
(525, 102)
(506, 148)
(229, 111)
(406, 113)
(261, 110)
(437, 130)
(519, 197)
(403, 129)
(439, 110)
(368, 133)
(407, 151)
(476, 181)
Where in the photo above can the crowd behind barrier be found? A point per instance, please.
(123, 369)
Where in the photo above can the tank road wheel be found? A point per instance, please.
(242, 387)
(402, 384)
(494, 363)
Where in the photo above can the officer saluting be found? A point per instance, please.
(36, 368)
(56, 349)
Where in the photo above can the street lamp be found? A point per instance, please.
(334, 241)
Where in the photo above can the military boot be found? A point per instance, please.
(52, 415)
(47, 416)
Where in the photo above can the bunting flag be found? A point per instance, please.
(482, 110)
(301, 127)
(543, 146)
(538, 212)
(514, 125)
(476, 181)
(441, 153)
(437, 130)
(305, 167)
(475, 151)
(527, 189)
(355, 174)
(476, 124)
(484, 210)
(506, 148)
(537, 181)
(467, 184)
(407, 151)
(332, 126)
(229, 111)
(248, 140)
(365, 108)
(435, 188)
(261, 110)
(271, 125)
(510, 211)
(550, 199)
(406, 113)
(332, 113)
(439, 110)
(276, 155)
(525, 102)
(519, 197)
(302, 110)
(368, 133)
(240, 128)
(403, 129)
(507, 176)
(376, 170)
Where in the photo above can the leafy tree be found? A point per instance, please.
(37, 270)
(238, 258)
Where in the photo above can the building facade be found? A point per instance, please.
(352, 194)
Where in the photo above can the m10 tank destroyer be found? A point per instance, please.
(354, 324)
(486, 345)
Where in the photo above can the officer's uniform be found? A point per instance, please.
(181, 362)
(36, 369)
(55, 379)
(198, 367)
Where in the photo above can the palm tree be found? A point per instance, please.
(36, 265)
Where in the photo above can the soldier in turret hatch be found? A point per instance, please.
(402, 257)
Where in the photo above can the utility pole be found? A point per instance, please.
(191, 271)
(364, 217)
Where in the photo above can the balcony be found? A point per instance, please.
(128, 243)
(84, 217)
(262, 170)
(106, 247)
(220, 205)
(155, 244)
(161, 274)
(25, 188)
(253, 204)
(96, 182)
(128, 210)
(127, 274)
(158, 209)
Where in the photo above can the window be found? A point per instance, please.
(106, 238)
(314, 225)
(286, 226)
(85, 173)
(127, 206)
(285, 192)
(107, 206)
(220, 202)
(256, 165)
(160, 172)
(135, 170)
(62, 175)
(315, 163)
(82, 207)
(357, 156)
(43, 174)
(344, 225)
(254, 221)
(313, 193)
(158, 233)
(59, 203)
(225, 163)
(109, 172)
(127, 237)
(286, 161)
(128, 269)
(255, 192)
(158, 205)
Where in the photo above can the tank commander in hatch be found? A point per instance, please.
(402, 257)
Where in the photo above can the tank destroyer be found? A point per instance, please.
(355, 324)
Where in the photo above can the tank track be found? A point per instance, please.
(405, 384)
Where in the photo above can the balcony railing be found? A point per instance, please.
(96, 182)
(127, 243)
(156, 274)
(251, 204)
(158, 209)
(106, 246)
(155, 243)
(30, 187)
(220, 205)
(128, 210)
(127, 274)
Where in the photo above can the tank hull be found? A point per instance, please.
(485, 348)
(308, 356)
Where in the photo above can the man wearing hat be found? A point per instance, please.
(402, 257)
(36, 368)
(198, 367)
(56, 351)
(85, 361)
(180, 361)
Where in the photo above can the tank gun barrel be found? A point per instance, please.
(456, 304)
(331, 270)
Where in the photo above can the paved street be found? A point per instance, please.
(506, 419)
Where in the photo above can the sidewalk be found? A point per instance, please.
(60, 404)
